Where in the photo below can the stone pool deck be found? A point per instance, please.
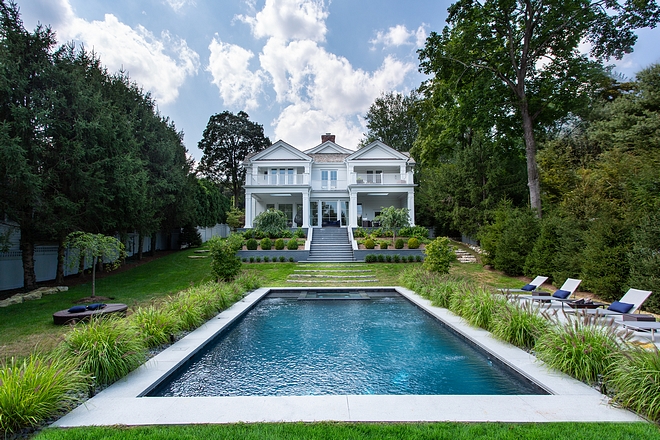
(121, 404)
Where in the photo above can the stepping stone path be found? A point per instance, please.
(465, 256)
(334, 273)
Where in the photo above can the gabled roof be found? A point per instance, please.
(377, 150)
(280, 150)
(329, 147)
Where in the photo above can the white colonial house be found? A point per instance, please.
(328, 185)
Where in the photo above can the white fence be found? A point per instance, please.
(45, 257)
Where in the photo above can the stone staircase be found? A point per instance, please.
(330, 245)
(464, 256)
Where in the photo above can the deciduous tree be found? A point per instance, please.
(227, 140)
(531, 47)
(391, 120)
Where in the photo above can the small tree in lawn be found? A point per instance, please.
(97, 246)
(225, 265)
(393, 219)
(439, 255)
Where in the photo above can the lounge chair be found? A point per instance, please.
(563, 294)
(531, 287)
(629, 303)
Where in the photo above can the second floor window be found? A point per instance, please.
(329, 179)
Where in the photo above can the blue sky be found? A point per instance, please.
(298, 67)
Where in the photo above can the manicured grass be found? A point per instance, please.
(27, 327)
(339, 431)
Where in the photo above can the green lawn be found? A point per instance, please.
(380, 431)
(29, 326)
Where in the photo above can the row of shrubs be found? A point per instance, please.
(396, 258)
(587, 347)
(266, 244)
(258, 234)
(420, 232)
(370, 243)
(609, 255)
(97, 353)
(266, 259)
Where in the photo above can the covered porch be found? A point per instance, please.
(365, 206)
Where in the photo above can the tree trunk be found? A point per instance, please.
(153, 243)
(530, 152)
(59, 275)
(27, 251)
(140, 245)
(94, 277)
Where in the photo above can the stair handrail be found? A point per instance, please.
(308, 242)
(351, 239)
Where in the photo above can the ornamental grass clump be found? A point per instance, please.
(185, 307)
(584, 347)
(480, 305)
(105, 348)
(519, 324)
(156, 324)
(37, 388)
(634, 381)
(248, 281)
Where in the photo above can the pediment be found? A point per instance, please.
(280, 151)
(377, 151)
(329, 147)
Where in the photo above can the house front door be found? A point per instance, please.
(329, 214)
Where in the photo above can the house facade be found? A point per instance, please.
(328, 185)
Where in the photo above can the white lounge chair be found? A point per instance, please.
(629, 303)
(531, 287)
(563, 294)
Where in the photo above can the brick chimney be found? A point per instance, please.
(327, 137)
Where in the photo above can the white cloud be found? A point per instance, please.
(399, 35)
(229, 67)
(177, 5)
(159, 64)
(323, 91)
(289, 20)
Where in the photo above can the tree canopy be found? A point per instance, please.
(391, 120)
(81, 149)
(226, 141)
(531, 47)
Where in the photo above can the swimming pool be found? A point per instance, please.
(340, 342)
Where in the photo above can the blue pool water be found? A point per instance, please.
(384, 345)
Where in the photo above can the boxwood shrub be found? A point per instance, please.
(398, 244)
(279, 244)
(292, 244)
(266, 244)
(252, 244)
(413, 243)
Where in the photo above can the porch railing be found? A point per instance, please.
(380, 179)
(278, 179)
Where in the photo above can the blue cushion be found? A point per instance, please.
(77, 309)
(620, 307)
(561, 294)
(528, 287)
(95, 306)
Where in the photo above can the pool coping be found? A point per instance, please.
(121, 404)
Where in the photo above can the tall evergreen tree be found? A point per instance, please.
(25, 60)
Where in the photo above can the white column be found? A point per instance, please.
(411, 206)
(305, 203)
(352, 210)
(249, 205)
